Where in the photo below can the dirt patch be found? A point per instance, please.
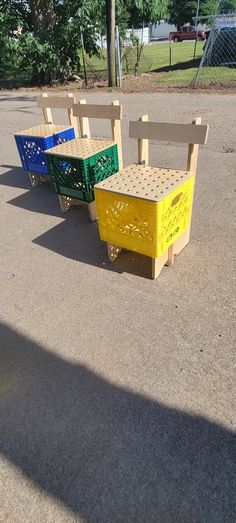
(144, 83)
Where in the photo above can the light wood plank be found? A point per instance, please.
(113, 252)
(107, 112)
(66, 203)
(142, 181)
(36, 179)
(116, 135)
(172, 132)
(143, 145)
(47, 113)
(170, 260)
(158, 264)
(182, 241)
(193, 150)
(72, 118)
(84, 123)
(92, 211)
(55, 102)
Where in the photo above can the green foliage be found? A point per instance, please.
(183, 11)
(44, 36)
(227, 6)
(10, 25)
(146, 11)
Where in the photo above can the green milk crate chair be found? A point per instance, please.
(75, 167)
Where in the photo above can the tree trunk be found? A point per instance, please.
(111, 50)
(43, 19)
(42, 15)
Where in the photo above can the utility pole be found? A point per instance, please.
(111, 49)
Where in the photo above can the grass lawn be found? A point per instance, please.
(155, 58)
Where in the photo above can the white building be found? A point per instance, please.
(161, 30)
(142, 34)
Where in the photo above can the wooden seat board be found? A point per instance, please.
(143, 181)
(81, 148)
(43, 130)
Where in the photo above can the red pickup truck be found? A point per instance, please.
(187, 33)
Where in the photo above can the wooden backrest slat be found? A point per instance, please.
(107, 112)
(55, 102)
(172, 132)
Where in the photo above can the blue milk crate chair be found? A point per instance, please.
(33, 142)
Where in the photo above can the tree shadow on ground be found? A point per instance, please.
(107, 453)
(178, 66)
(22, 98)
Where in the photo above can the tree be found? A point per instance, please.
(146, 11)
(227, 6)
(45, 35)
(183, 11)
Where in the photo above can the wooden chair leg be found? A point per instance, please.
(170, 259)
(65, 203)
(158, 264)
(113, 252)
(44, 179)
(34, 179)
(182, 241)
(92, 211)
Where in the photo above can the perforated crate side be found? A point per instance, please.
(76, 178)
(174, 214)
(141, 225)
(31, 149)
(63, 136)
(127, 222)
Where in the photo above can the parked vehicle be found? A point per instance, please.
(187, 32)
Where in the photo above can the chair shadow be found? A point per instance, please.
(104, 452)
(41, 199)
(75, 237)
(78, 239)
(15, 177)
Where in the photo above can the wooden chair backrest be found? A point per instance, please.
(57, 102)
(193, 134)
(112, 112)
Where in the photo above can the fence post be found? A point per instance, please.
(118, 56)
(83, 56)
(170, 63)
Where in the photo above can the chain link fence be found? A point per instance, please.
(218, 62)
(190, 64)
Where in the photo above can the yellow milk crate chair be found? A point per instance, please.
(33, 142)
(148, 209)
(77, 165)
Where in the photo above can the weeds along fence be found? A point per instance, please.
(174, 62)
